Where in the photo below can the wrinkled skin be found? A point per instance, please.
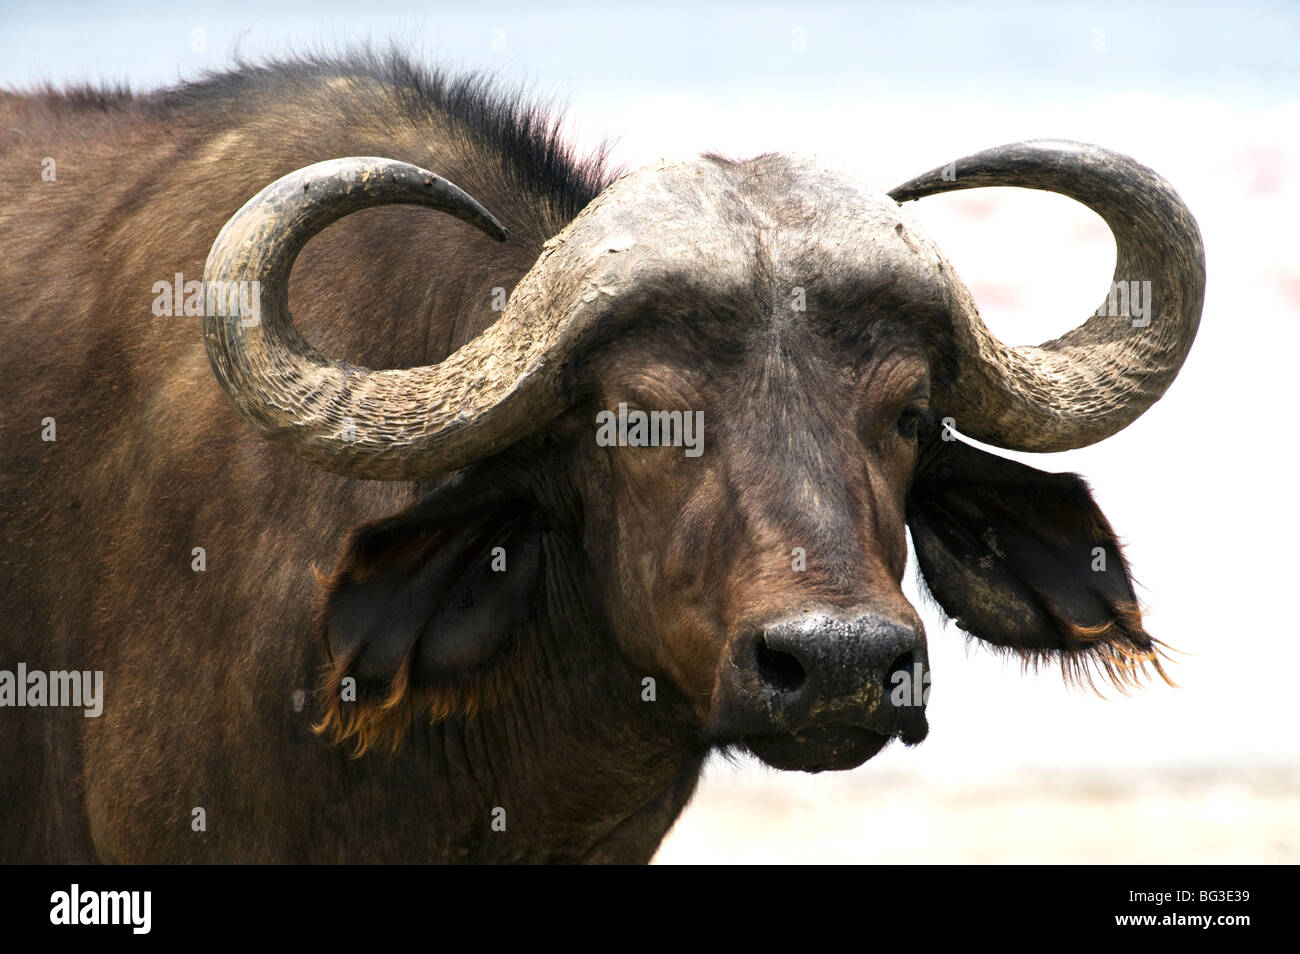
(782, 469)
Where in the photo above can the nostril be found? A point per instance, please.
(903, 664)
(779, 670)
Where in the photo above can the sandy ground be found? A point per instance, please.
(747, 814)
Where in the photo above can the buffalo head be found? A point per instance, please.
(829, 353)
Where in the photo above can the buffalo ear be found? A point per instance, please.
(1026, 561)
(424, 610)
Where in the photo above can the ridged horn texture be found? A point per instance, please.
(1098, 378)
(396, 424)
(635, 238)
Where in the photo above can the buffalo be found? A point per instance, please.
(544, 492)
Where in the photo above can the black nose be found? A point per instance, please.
(820, 669)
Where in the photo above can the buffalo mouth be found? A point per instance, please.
(828, 748)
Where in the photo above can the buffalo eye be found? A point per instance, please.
(908, 422)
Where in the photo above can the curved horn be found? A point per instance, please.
(390, 424)
(1097, 379)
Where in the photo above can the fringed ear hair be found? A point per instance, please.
(1026, 562)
